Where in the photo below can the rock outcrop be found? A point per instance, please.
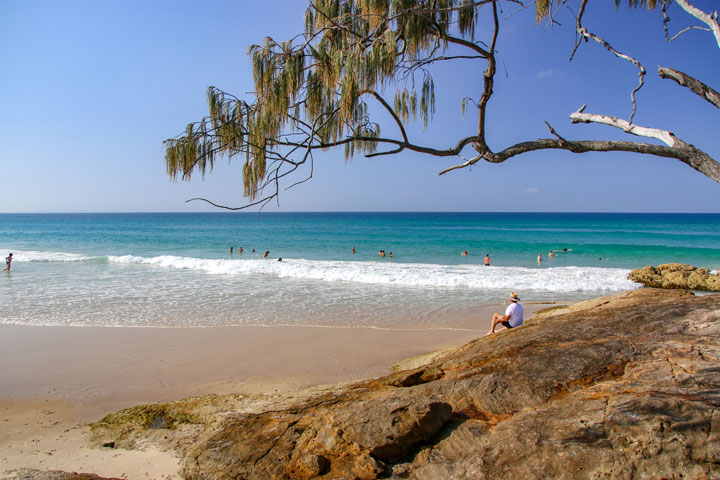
(676, 275)
(32, 474)
(626, 386)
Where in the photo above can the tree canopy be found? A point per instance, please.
(316, 90)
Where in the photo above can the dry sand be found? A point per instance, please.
(55, 380)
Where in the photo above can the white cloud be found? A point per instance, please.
(530, 191)
(546, 73)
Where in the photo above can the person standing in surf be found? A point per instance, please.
(8, 262)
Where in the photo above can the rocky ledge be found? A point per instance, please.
(626, 386)
(32, 474)
(676, 275)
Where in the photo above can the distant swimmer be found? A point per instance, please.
(464, 253)
(353, 250)
(8, 262)
(240, 249)
(266, 254)
(280, 259)
(486, 262)
(539, 257)
(231, 249)
(381, 253)
(253, 250)
(551, 254)
(390, 254)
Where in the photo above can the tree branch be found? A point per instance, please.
(666, 20)
(390, 111)
(584, 33)
(263, 200)
(662, 135)
(711, 20)
(686, 153)
(300, 108)
(488, 82)
(694, 85)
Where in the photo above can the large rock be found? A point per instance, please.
(676, 275)
(32, 474)
(626, 386)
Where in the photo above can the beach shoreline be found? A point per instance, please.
(58, 379)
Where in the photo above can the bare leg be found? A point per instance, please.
(497, 318)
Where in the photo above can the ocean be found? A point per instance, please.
(175, 269)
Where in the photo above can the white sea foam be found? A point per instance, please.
(40, 256)
(559, 279)
(170, 290)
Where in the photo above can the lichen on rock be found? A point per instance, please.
(676, 275)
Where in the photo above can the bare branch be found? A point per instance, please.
(263, 200)
(584, 33)
(662, 135)
(390, 110)
(666, 20)
(694, 85)
(310, 175)
(467, 163)
(684, 152)
(552, 131)
(389, 152)
(711, 20)
(488, 83)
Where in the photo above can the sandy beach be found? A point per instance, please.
(56, 380)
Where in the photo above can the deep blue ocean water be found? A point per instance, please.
(175, 269)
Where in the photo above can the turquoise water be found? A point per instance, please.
(167, 269)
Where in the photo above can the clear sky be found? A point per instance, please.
(88, 91)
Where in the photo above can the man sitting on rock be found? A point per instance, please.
(513, 315)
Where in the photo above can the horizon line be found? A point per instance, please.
(350, 211)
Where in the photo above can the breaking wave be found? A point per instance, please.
(559, 279)
(473, 277)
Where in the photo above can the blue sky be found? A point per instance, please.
(90, 89)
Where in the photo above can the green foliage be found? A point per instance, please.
(313, 92)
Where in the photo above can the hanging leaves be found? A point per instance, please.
(309, 92)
